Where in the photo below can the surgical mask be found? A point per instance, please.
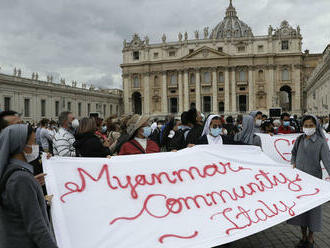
(33, 155)
(104, 129)
(309, 131)
(146, 131)
(215, 132)
(286, 123)
(171, 134)
(258, 123)
(75, 123)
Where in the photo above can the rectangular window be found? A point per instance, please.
(88, 108)
(57, 108)
(221, 77)
(207, 77)
(43, 108)
(110, 109)
(136, 82)
(207, 104)
(242, 76)
(79, 109)
(7, 104)
(173, 105)
(104, 110)
(260, 48)
(27, 107)
(220, 89)
(69, 106)
(117, 109)
(136, 55)
(171, 53)
(155, 55)
(285, 75)
(285, 45)
(241, 49)
(220, 49)
(242, 88)
(173, 79)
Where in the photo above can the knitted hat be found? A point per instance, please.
(135, 123)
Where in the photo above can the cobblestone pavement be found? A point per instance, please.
(285, 236)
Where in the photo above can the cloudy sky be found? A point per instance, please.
(82, 39)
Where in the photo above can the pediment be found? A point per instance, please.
(205, 53)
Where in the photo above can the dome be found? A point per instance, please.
(231, 26)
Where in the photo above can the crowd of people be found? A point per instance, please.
(23, 215)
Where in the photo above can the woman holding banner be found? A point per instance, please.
(215, 134)
(247, 136)
(138, 131)
(23, 215)
(308, 150)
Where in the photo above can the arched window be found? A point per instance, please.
(242, 76)
(207, 77)
(221, 77)
(192, 78)
(285, 75)
(261, 75)
(173, 79)
(136, 82)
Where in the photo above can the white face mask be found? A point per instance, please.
(33, 155)
(309, 131)
(258, 123)
(75, 123)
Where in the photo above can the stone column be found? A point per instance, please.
(198, 90)
(164, 93)
(233, 91)
(271, 94)
(227, 90)
(186, 90)
(180, 84)
(146, 88)
(214, 92)
(297, 79)
(251, 89)
(126, 93)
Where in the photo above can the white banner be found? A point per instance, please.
(199, 197)
(279, 147)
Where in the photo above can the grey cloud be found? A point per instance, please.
(82, 40)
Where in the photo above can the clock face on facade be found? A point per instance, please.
(285, 31)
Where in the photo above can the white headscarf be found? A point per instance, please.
(206, 131)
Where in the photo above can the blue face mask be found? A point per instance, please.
(215, 132)
(104, 129)
(286, 123)
(146, 131)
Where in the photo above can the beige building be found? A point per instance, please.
(228, 70)
(36, 99)
(318, 87)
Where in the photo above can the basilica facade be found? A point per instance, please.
(228, 70)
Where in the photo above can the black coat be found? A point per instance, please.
(194, 134)
(89, 145)
(226, 139)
